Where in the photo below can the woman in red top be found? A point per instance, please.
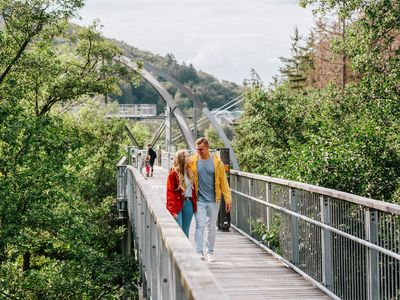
(181, 195)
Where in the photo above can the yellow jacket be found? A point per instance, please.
(221, 182)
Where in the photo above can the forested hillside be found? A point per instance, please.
(209, 89)
(332, 116)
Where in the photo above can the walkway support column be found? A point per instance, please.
(371, 233)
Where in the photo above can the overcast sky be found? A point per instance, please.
(223, 37)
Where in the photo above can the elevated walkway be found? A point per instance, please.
(243, 270)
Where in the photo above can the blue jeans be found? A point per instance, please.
(207, 214)
(185, 216)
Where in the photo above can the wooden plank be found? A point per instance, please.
(248, 272)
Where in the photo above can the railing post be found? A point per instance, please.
(249, 206)
(121, 193)
(122, 205)
(154, 260)
(147, 251)
(237, 184)
(371, 235)
(159, 156)
(130, 152)
(268, 198)
(326, 240)
(294, 224)
(165, 274)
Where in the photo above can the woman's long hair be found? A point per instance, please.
(181, 168)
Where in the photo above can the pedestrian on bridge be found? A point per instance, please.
(181, 192)
(153, 156)
(211, 184)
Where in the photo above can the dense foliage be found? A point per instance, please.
(59, 236)
(344, 134)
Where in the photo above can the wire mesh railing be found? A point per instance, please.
(346, 244)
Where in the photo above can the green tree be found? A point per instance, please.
(211, 134)
(141, 133)
(296, 69)
(344, 137)
(58, 233)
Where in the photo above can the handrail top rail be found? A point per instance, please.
(122, 162)
(138, 105)
(371, 203)
(198, 280)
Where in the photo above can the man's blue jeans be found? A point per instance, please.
(207, 214)
(185, 216)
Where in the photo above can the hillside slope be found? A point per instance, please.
(209, 89)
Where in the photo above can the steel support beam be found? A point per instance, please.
(200, 106)
(158, 134)
(175, 110)
(131, 136)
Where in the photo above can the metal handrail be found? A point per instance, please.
(322, 225)
(169, 266)
(372, 203)
(346, 244)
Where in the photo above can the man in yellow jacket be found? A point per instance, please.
(211, 184)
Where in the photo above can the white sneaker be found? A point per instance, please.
(210, 257)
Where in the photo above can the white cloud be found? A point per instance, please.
(225, 38)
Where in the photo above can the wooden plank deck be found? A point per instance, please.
(244, 270)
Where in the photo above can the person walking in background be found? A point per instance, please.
(181, 192)
(210, 184)
(153, 156)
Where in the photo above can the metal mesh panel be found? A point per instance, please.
(310, 251)
(349, 257)
(257, 210)
(280, 195)
(258, 189)
(348, 217)
(309, 204)
(244, 206)
(282, 222)
(349, 268)
(389, 267)
(234, 214)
